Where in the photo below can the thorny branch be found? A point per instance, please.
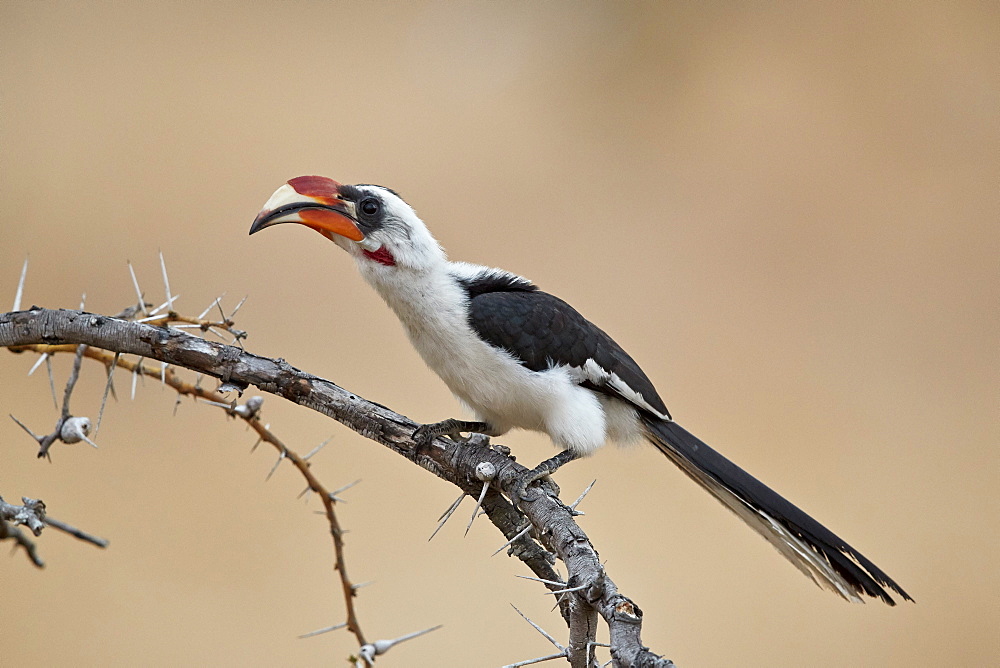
(70, 429)
(249, 412)
(587, 592)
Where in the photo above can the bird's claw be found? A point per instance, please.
(546, 485)
(423, 435)
(426, 433)
(474, 438)
(543, 472)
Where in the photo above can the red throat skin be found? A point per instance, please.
(382, 256)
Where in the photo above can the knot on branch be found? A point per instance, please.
(627, 611)
(298, 390)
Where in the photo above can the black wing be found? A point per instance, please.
(543, 331)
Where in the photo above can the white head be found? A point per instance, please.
(370, 222)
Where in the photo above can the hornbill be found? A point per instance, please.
(520, 357)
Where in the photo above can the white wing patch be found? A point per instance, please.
(593, 372)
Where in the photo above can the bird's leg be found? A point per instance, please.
(453, 429)
(543, 470)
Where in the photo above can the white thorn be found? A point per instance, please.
(83, 300)
(517, 536)
(345, 487)
(52, 380)
(540, 659)
(25, 427)
(138, 292)
(582, 495)
(163, 373)
(238, 307)
(275, 467)
(135, 376)
(326, 630)
(317, 449)
(38, 363)
(371, 650)
(228, 407)
(107, 388)
(569, 590)
(447, 515)
(159, 308)
(479, 503)
(20, 287)
(539, 629)
(166, 283)
(205, 312)
(548, 582)
(334, 493)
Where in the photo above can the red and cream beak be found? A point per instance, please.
(313, 201)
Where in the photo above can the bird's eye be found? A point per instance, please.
(370, 206)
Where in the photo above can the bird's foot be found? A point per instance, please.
(542, 473)
(452, 428)
(474, 438)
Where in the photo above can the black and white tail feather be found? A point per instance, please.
(811, 547)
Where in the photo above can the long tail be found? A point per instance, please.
(811, 547)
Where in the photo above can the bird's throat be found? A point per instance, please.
(382, 256)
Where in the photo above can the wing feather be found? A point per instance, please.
(543, 331)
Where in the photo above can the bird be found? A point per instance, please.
(519, 357)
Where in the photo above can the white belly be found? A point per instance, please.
(498, 389)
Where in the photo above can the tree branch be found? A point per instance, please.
(31, 515)
(553, 521)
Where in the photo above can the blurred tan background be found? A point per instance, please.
(787, 213)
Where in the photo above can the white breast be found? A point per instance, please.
(433, 308)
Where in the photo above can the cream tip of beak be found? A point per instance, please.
(283, 195)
